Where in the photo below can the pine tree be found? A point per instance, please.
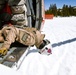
(64, 11)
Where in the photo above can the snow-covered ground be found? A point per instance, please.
(61, 32)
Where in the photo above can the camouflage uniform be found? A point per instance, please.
(28, 36)
(18, 9)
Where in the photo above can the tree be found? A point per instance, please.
(70, 10)
(64, 11)
(53, 9)
(59, 12)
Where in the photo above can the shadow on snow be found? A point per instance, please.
(63, 42)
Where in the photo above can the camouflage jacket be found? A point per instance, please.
(27, 36)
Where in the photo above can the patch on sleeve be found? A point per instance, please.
(24, 37)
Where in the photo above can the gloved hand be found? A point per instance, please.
(3, 51)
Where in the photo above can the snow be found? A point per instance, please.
(61, 32)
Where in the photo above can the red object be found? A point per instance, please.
(49, 16)
(7, 9)
(49, 51)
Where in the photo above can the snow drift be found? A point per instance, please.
(61, 32)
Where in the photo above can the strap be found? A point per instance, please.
(31, 8)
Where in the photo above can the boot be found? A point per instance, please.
(45, 47)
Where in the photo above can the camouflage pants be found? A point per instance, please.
(18, 9)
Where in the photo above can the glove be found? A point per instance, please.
(3, 51)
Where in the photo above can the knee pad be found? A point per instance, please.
(18, 8)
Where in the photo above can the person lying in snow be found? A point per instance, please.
(27, 36)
